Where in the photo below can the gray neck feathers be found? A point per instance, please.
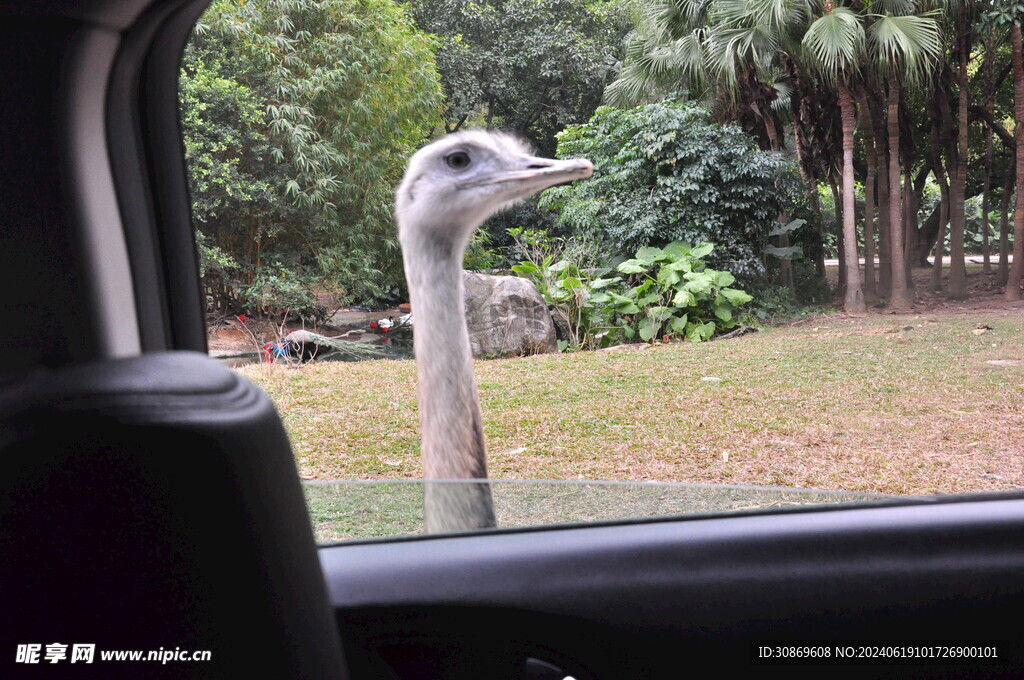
(449, 409)
(452, 433)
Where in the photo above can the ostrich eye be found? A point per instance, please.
(459, 160)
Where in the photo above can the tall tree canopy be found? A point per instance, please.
(910, 78)
(298, 118)
(528, 66)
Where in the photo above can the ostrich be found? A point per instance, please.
(450, 187)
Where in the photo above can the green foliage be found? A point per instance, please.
(276, 291)
(480, 256)
(524, 214)
(530, 66)
(574, 294)
(1002, 14)
(676, 295)
(227, 150)
(667, 293)
(298, 118)
(664, 173)
(214, 263)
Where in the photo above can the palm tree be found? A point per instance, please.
(730, 48)
(666, 50)
(1017, 271)
(834, 43)
(903, 48)
(871, 177)
(743, 58)
(963, 25)
(1001, 13)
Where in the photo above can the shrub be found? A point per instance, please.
(676, 295)
(663, 173)
(669, 293)
(276, 290)
(583, 318)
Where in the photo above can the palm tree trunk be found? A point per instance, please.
(958, 185)
(1017, 271)
(853, 298)
(870, 293)
(837, 205)
(940, 178)
(986, 189)
(910, 205)
(1003, 270)
(874, 98)
(901, 297)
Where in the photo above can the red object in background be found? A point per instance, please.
(385, 341)
(241, 317)
(383, 330)
(373, 324)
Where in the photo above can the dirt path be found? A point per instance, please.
(983, 294)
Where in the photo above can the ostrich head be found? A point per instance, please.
(454, 184)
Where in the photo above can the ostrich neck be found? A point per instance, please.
(452, 441)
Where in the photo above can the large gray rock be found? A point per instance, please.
(507, 316)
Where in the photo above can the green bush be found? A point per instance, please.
(676, 295)
(663, 173)
(668, 293)
(276, 290)
(480, 255)
(583, 318)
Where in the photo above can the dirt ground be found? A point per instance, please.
(983, 295)
(232, 335)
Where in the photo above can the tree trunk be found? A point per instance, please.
(910, 205)
(870, 292)
(940, 242)
(837, 205)
(958, 185)
(902, 296)
(883, 185)
(1003, 271)
(853, 298)
(1017, 271)
(986, 188)
(940, 178)
(811, 187)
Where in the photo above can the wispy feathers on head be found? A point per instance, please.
(455, 183)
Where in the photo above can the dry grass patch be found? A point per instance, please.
(882, 404)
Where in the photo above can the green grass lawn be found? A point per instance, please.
(881, 404)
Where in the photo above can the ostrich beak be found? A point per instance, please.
(551, 172)
(535, 174)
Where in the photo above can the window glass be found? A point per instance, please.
(736, 309)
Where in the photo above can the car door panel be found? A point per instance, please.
(653, 598)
